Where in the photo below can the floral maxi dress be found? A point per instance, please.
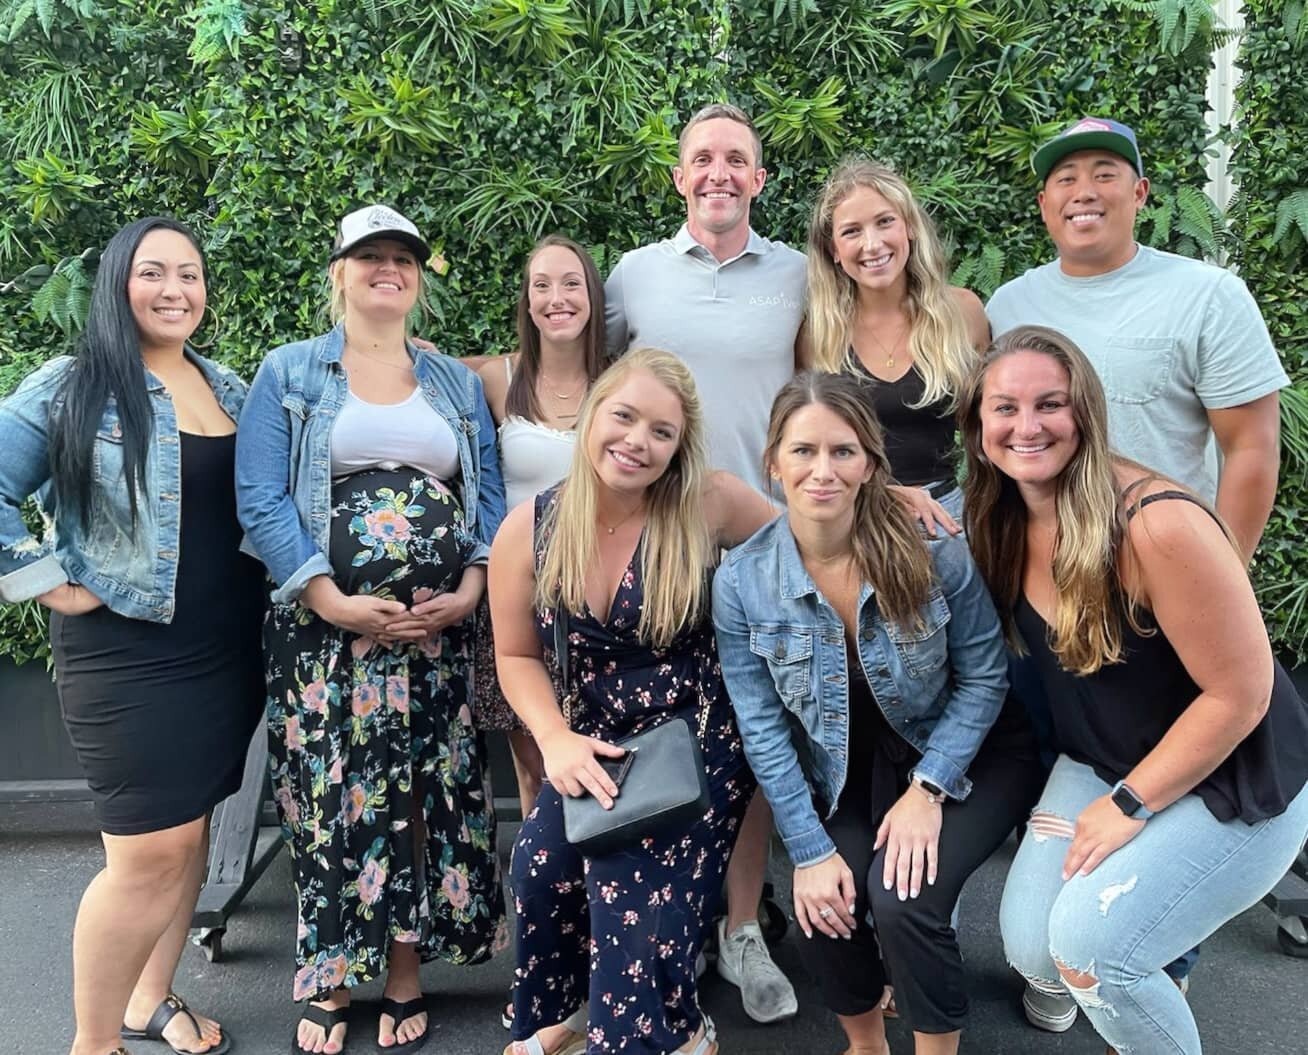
(363, 738)
(623, 929)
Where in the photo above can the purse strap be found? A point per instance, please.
(564, 659)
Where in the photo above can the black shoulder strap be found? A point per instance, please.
(1160, 496)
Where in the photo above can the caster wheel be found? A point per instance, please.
(211, 944)
(1291, 945)
(773, 920)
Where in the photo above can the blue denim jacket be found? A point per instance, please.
(133, 570)
(283, 454)
(940, 686)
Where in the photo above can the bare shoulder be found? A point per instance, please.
(974, 315)
(496, 384)
(518, 525)
(1165, 528)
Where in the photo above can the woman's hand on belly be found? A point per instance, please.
(430, 614)
(359, 613)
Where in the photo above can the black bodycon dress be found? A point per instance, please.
(161, 714)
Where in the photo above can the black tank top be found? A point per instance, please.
(1111, 719)
(919, 441)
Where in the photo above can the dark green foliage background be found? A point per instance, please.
(1270, 161)
(492, 121)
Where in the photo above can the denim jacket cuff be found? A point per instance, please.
(937, 768)
(289, 592)
(480, 555)
(32, 580)
(812, 847)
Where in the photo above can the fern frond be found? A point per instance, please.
(1291, 212)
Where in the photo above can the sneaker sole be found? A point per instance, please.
(727, 974)
(1049, 1023)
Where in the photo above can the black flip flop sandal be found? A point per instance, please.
(401, 1012)
(328, 1018)
(169, 1008)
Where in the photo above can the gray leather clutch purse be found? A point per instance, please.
(662, 786)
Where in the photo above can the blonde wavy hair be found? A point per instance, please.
(889, 554)
(677, 548)
(1093, 606)
(938, 337)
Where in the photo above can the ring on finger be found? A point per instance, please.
(826, 911)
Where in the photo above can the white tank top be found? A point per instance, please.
(533, 457)
(390, 435)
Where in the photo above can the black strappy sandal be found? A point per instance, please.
(401, 1011)
(328, 1019)
(169, 1008)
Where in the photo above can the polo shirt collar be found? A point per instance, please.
(684, 242)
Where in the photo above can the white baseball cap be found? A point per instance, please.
(377, 221)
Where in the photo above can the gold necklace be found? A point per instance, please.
(376, 359)
(619, 524)
(890, 352)
(562, 397)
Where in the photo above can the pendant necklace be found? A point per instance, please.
(619, 524)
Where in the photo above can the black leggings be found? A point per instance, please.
(917, 943)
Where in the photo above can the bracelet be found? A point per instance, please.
(934, 793)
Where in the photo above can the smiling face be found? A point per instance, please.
(380, 279)
(557, 298)
(870, 241)
(718, 176)
(635, 433)
(1028, 428)
(166, 289)
(820, 464)
(1089, 204)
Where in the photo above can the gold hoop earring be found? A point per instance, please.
(213, 337)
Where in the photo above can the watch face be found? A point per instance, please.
(1126, 801)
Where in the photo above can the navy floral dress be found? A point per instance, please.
(624, 929)
(362, 736)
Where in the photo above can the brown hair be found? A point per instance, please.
(889, 553)
(521, 397)
(1091, 515)
(722, 112)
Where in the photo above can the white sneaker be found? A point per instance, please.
(744, 961)
(1054, 1012)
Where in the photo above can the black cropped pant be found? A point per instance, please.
(914, 942)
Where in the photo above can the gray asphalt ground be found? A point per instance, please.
(1249, 998)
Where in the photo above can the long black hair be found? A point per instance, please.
(108, 366)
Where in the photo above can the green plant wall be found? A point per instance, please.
(490, 122)
(1270, 248)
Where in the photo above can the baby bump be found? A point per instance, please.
(395, 534)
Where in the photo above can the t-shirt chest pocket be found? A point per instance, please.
(1135, 369)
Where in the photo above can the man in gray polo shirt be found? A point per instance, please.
(729, 303)
(726, 300)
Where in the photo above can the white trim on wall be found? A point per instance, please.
(1222, 80)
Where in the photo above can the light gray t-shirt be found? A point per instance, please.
(733, 323)
(1170, 337)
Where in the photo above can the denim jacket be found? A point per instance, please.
(940, 685)
(283, 454)
(132, 569)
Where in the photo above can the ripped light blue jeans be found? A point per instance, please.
(1162, 893)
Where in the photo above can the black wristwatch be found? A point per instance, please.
(934, 792)
(1131, 804)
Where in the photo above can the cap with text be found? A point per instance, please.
(1089, 133)
(378, 221)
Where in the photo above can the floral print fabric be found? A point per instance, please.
(363, 738)
(624, 929)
